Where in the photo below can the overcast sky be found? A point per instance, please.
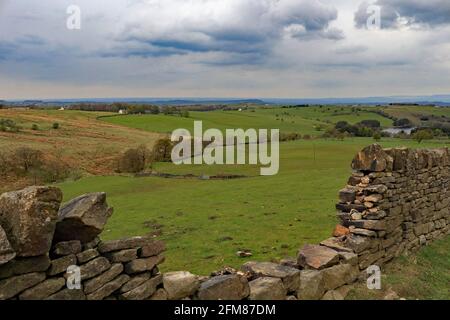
(224, 48)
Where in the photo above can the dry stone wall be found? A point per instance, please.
(396, 200)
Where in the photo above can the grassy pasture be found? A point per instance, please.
(204, 222)
(299, 120)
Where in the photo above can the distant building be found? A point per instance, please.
(61, 109)
(122, 111)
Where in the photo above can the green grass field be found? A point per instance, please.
(299, 120)
(423, 275)
(204, 222)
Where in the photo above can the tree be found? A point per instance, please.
(402, 123)
(185, 114)
(27, 158)
(162, 150)
(377, 136)
(421, 135)
(134, 160)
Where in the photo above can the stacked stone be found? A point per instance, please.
(396, 200)
(41, 245)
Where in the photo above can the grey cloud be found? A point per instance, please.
(245, 29)
(394, 13)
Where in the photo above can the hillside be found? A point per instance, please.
(83, 142)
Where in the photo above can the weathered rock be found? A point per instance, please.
(145, 264)
(347, 195)
(377, 188)
(160, 295)
(95, 283)
(91, 244)
(358, 243)
(363, 232)
(376, 225)
(122, 255)
(28, 218)
(83, 218)
(226, 287)
(391, 295)
(60, 265)
(122, 244)
(24, 265)
(180, 284)
(333, 295)
(144, 291)
(135, 281)
(108, 288)
(152, 249)
(15, 285)
(373, 198)
(311, 285)
(340, 231)
(375, 215)
(87, 255)
(317, 257)
(289, 276)
(6, 251)
(68, 294)
(339, 275)
(94, 268)
(372, 158)
(267, 288)
(349, 257)
(67, 247)
(289, 262)
(336, 243)
(43, 290)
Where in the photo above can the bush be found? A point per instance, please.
(421, 135)
(26, 159)
(370, 123)
(34, 127)
(55, 125)
(377, 136)
(402, 123)
(134, 160)
(7, 125)
(289, 136)
(185, 114)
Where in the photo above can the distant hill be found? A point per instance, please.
(439, 100)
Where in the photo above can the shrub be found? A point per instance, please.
(134, 160)
(185, 114)
(370, 123)
(34, 127)
(7, 125)
(402, 123)
(55, 125)
(421, 135)
(377, 136)
(27, 159)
